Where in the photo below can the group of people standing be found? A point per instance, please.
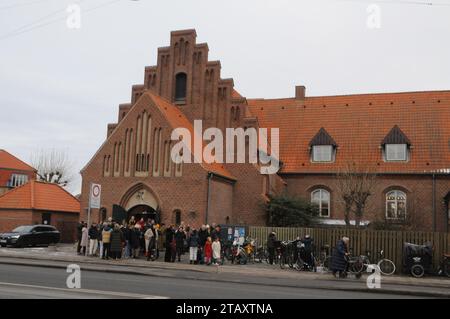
(137, 239)
(114, 240)
(204, 245)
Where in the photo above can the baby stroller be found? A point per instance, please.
(417, 259)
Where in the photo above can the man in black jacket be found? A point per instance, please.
(93, 239)
(271, 242)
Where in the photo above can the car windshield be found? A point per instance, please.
(22, 229)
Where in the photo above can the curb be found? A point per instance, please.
(404, 292)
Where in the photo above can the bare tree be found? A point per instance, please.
(355, 183)
(53, 166)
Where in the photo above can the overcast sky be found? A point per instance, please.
(60, 87)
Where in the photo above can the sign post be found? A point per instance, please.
(95, 194)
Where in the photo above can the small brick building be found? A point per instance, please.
(40, 203)
(404, 136)
(13, 172)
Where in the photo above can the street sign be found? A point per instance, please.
(96, 192)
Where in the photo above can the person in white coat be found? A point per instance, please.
(216, 249)
(84, 239)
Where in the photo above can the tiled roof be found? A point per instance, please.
(42, 196)
(9, 161)
(358, 124)
(176, 119)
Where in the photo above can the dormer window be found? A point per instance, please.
(396, 152)
(396, 146)
(322, 153)
(323, 147)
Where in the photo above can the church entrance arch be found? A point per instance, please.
(141, 202)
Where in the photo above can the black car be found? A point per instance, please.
(25, 236)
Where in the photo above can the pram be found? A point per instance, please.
(417, 259)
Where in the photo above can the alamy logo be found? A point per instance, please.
(74, 279)
(74, 18)
(237, 141)
(374, 279)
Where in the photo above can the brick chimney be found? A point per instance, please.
(300, 92)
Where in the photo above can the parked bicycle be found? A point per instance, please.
(386, 266)
(444, 268)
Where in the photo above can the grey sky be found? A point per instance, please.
(60, 87)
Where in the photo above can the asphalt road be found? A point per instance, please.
(40, 282)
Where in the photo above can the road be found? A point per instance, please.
(41, 282)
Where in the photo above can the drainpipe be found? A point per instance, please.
(208, 201)
(434, 202)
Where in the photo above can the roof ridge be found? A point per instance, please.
(350, 95)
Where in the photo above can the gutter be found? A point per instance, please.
(433, 177)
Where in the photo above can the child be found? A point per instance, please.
(208, 251)
(216, 248)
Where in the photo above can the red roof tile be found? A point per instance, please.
(358, 124)
(9, 161)
(42, 196)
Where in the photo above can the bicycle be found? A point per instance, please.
(444, 268)
(386, 266)
(324, 259)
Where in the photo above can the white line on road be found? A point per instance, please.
(86, 291)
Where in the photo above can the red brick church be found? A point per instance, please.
(404, 136)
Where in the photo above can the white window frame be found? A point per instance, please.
(17, 180)
(321, 192)
(396, 193)
(393, 149)
(320, 149)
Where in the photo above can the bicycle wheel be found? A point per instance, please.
(357, 266)
(282, 261)
(387, 267)
(417, 271)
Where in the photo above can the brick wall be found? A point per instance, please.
(418, 189)
(10, 219)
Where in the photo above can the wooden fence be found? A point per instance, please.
(361, 241)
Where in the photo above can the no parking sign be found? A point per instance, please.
(96, 192)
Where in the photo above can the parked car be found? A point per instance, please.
(25, 236)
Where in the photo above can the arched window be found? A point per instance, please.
(395, 205)
(180, 87)
(321, 198)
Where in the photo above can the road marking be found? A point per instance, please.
(87, 291)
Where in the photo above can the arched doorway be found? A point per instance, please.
(141, 202)
(143, 211)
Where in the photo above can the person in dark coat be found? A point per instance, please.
(116, 242)
(271, 240)
(193, 247)
(79, 235)
(339, 258)
(202, 239)
(307, 250)
(170, 237)
(135, 241)
(216, 233)
(180, 237)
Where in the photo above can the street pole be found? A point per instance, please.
(88, 217)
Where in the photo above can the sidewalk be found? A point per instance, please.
(61, 256)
